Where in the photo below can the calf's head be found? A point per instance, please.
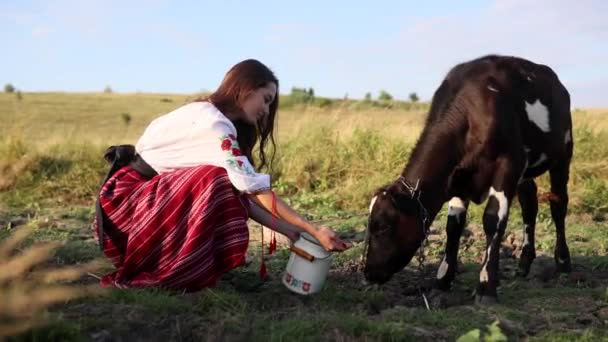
(395, 231)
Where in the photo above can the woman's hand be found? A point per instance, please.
(330, 240)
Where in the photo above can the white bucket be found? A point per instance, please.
(307, 267)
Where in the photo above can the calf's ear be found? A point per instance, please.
(529, 76)
(493, 85)
(402, 199)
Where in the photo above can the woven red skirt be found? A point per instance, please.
(179, 230)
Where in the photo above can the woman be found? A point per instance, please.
(174, 209)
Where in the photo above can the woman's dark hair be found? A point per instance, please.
(238, 83)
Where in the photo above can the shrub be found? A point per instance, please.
(126, 118)
(385, 96)
(414, 97)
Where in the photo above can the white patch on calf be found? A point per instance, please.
(526, 236)
(523, 171)
(443, 269)
(456, 207)
(539, 114)
(568, 137)
(371, 204)
(540, 159)
(503, 203)
(483, 275)
(492, 88)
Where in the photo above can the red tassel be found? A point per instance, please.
(272, 246)
(263, 270)
(262, 262)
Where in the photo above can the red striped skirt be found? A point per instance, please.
(179, 230)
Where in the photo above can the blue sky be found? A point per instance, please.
(336, 47)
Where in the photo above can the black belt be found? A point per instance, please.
(120, 156)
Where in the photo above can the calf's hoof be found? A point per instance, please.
(524, 267)
(442, 285)
(485, 300)
(522, 272)
(438, 298)
(563, 266)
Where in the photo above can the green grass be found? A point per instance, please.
(329, 161)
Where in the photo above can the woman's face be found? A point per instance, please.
(257, 105)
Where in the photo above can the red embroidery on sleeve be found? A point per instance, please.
(226, 145)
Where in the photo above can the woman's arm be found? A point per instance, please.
(263, 217)
(326, 236)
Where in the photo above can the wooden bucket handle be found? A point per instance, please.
(302, 253)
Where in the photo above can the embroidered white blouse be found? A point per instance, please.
(198, 134)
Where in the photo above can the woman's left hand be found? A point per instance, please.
(330, 240)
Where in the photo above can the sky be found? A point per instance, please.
(338, 48)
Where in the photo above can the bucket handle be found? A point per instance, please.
(302, 253)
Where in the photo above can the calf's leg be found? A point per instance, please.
(529, 208)
(457, 214)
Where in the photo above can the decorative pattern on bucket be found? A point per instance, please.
(292, 281)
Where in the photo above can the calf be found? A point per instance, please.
(495, 123)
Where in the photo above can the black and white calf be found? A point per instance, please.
(495, 123)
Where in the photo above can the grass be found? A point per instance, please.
(28, 288)
(329, 161)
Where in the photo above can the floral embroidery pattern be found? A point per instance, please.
(226, 145)
(236, 152)
(231, 146)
